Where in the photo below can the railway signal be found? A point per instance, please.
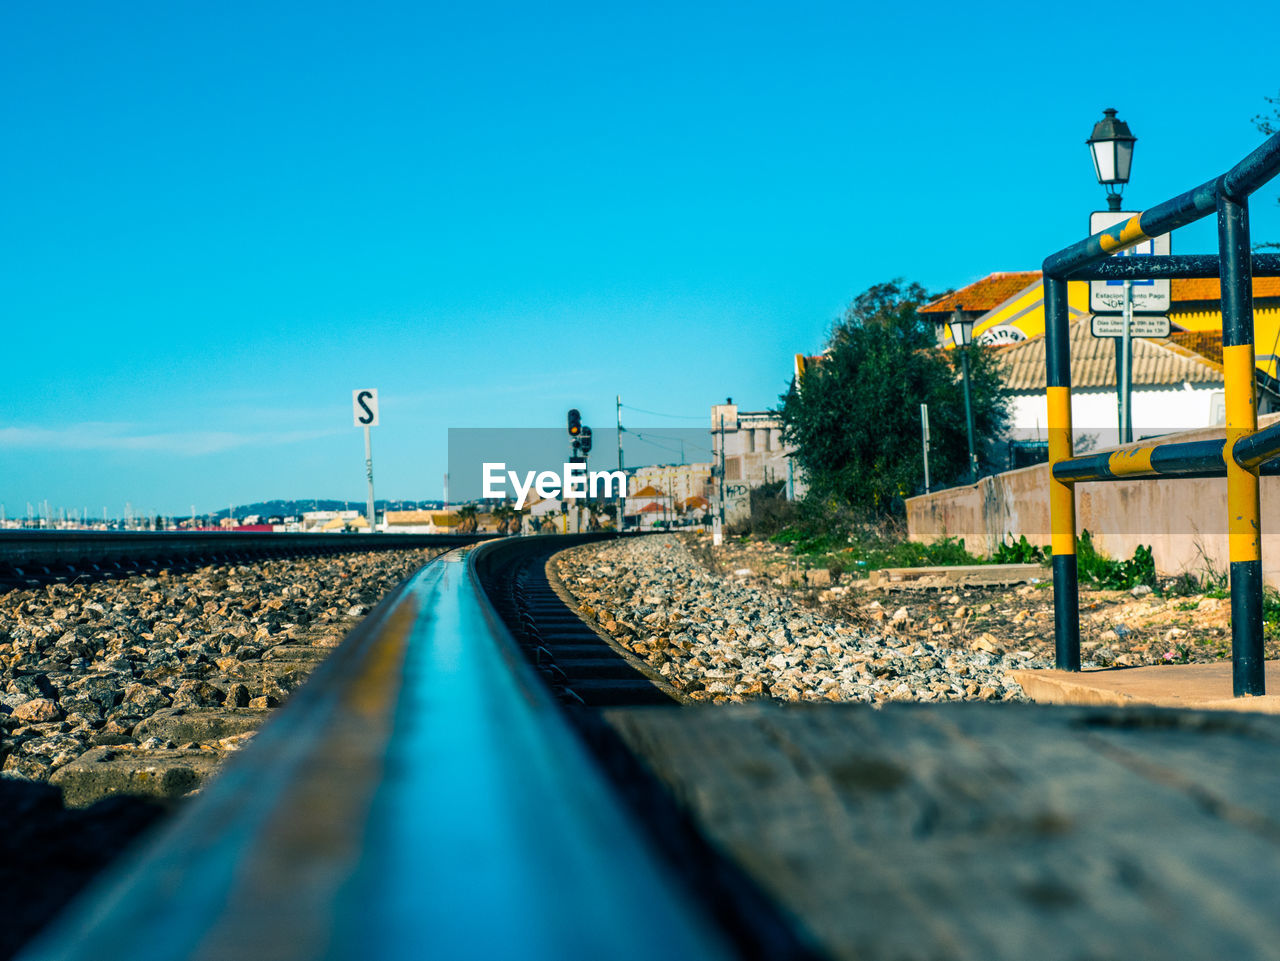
(584, 440)
(575, 422)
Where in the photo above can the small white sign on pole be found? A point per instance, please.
(1149, 296)
(1112, 325)
(364, 404)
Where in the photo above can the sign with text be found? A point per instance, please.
(364, 404)
(1112, 325)
(1149, 296)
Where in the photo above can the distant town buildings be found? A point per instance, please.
(749, 443)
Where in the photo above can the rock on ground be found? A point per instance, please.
(717, 637)
(167, 674)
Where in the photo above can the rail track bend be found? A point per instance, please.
(422, 795)
(33, 557)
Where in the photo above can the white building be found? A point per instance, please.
(680, 482)
(753, 455)
(1174, 389)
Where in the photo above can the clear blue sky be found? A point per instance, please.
(219, 219)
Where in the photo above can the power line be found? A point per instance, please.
(685, 443)
(654, 413)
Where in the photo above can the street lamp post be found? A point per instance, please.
(1111, 145)
(961, 327)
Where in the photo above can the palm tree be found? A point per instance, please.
(504, 515)
(467, 518)
(601, 511)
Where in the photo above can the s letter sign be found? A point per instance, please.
(364, 403)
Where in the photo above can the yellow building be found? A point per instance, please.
(1012, 306)
(1197, 310)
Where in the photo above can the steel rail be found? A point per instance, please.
(421, 796)
(96, 550)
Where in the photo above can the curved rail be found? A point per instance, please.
(580, 666)
(422, 795)
(96, 551)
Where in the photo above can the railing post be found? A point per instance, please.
(1243, 509)
(1062, 497)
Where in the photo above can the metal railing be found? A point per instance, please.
(1245, 449)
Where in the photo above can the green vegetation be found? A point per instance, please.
(1095, 567)
(855, 419)
(1270, 613)
(862, 551)
(1023, 552)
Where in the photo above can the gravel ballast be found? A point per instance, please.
(168, 673)
(721, 639)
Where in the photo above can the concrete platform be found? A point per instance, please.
(972, 575)
(988, 832)
(1205, 687)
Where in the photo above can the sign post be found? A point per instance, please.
(364, 404)
(924, 428)
(1127, 298)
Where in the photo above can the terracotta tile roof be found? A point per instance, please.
(1206, 343)
(1156, 362)
(993, 290)
(988, 293)
(1211, 289)
(647, 491)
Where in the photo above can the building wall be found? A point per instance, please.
(1094, 417)
(679, 481)
(1266, 329)
(1184, 521)
(754, 454)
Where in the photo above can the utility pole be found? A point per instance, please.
(622, 499)
(924, 425)
(1126, 367)
(717, 526)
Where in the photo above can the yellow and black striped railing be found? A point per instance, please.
(1239, 457)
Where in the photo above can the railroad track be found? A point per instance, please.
(28, 559)
(581, 666)
(424, 794)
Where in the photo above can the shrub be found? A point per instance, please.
(1094, 566)
(1023, 552)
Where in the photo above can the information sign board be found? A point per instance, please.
(1149, 296)
(1142, 325)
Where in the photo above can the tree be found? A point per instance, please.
(600, 511)
(505, 516)
(468, 518)
(1269, 124)
(855, 419)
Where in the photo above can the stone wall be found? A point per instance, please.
(1183, 521)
